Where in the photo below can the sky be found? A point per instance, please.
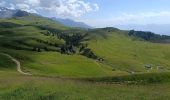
(99, 13)
(124, 12)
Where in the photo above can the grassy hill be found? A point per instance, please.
(19, 38)
(72, 63)
(35, 42)
(123, 52)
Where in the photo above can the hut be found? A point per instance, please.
(148, 66)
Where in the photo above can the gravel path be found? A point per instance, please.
(17, 63)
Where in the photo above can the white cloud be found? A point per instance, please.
(60, 8)
(145, 15)
(2, 3)
(33, 2)
(96, 7)
(160, 17)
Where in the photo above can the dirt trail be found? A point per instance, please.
(17, 63)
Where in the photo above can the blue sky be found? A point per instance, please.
(99, 13)
(117, 12)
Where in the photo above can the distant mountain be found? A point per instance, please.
(7, 13)
(71, 23)
(159, 29)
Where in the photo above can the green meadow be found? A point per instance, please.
(122, 75)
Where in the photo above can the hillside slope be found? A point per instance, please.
(72, 64)
(123, 52)
(45, 47)
(30, 40)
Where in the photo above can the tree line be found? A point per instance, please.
(74, 42)
(148, 36)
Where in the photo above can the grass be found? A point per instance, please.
(45, 88)
(45, 63)
(123, 53)
(144, 78)
(51, 63)
(75, 77)
(6, 63)
(35, 21)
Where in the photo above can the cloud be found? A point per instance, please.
(51, 8)
(2, 3)
(145, 15)
(143, 18)
(160, 17)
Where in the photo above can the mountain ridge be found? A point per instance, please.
(9, 13)
(72, 23)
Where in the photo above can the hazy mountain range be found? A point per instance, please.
(158, 29)
(7, 13)
(71, 23)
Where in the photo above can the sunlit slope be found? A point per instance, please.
(56, 64)
(125, 53)
(33, 20)
(25, 33)
(18, 38)
(23, 39)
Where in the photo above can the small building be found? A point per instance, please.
(100, 59)
(148, 66)
(132, 72)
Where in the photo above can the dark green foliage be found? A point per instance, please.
(46, 49)
(8, 25)
(73, 43)
(74, 40)
(16, 47)
(34, 49)
(39, 50)
(110, 29)
(6, 32)
(50, 30)
(88, 53)
(136, 78)
(148, 36)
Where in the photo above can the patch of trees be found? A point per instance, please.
(9, 25)
(110, 29)
(74, 43)
(89, 53)
(46, 42)
(16, 47)
(38, 47)
(148, 36)
(49, 29)
(6, 32)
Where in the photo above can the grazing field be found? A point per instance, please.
(14, 86)
(122, 52)
(78, 64)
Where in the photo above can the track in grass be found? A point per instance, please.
(17, 63)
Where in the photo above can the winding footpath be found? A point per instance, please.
(17, 63)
